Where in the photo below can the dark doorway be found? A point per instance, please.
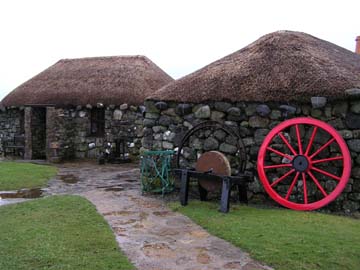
(38, 133)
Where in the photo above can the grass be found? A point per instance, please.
(58, 232)
(282, 238)
(15, 175)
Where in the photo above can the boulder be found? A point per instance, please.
(263, 110)
(203, 112)
(222, 106)
(183, 109)
(228, 148)
(117, 115)
(258, 122)
(211, 144)
(124, 107)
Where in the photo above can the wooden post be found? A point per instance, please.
(184, 188)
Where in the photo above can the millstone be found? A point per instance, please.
(218, 164)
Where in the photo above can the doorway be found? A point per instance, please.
(38, 133)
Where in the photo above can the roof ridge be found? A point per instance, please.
(104, 57)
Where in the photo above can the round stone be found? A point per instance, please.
(216, 163)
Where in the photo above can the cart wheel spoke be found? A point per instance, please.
(313, 134)
(287, 143)
(303, 162)
(292, 185)
(299, 139)
(326, 173)
(278, 166)
(317, 184)
(279, 153)
(322, 148)
(326, 159)
(304, 187)
(282, 177)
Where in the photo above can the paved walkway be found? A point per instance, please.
(152, 236)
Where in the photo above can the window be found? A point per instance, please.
(97, 122)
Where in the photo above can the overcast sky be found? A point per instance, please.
(180, 36)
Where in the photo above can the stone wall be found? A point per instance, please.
(68, 130)
(71, 133)
(166, 122)
(10, 124)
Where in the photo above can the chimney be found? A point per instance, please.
(357, 49)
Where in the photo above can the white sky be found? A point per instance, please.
(180, 36)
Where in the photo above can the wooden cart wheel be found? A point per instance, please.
(299, 163)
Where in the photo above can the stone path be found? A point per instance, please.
(152, 236)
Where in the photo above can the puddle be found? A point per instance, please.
(22, 193)
(69, 178)
(16, 196)
(10, 201)
(118, 188)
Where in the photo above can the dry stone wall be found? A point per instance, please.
(165, 123)
(72, 130)
(10, 125)
(68, 130)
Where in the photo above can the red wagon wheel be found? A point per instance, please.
(304, 163)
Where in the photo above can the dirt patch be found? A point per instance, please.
(143, 215)
(232, 265)
(166, 232)
(158, 250)
(119, 213)
(69, 178)
(199, 234)
(163, 213)
(203, 258)
(124, 222)
(120, 231)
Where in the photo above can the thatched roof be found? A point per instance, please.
(107, 80)
(281, 66)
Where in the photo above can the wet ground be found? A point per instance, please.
(152, 236)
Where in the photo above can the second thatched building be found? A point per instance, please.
(77, 102)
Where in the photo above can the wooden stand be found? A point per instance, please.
(227, 183)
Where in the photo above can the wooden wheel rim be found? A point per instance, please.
(307, 174)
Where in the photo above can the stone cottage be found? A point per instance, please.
(282, 75)
(77, 102)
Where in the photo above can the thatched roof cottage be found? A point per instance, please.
(80, 101)
(281, 75)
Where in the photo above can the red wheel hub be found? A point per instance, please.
(304, 164)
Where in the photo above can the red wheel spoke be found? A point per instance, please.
(292, 185)
(327, 159)
(282, 177)
(326, 173)
(287, 143)
(313, 134)
(279, 153)
(299, 139)
(322, 148)
(305, 188)
(317, 184)
(277, 166)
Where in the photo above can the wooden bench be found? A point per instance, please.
(16, 146)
